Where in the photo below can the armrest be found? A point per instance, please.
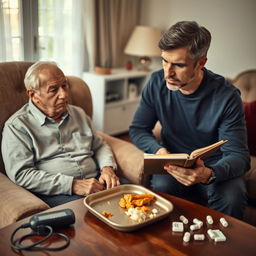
(16, 202)
(129, 158)
(250, 179)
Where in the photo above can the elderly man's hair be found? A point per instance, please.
(187, 34)
(31, 79)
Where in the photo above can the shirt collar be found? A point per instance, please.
(40, 116)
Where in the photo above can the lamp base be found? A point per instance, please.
(144, 63)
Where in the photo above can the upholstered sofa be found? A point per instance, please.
(16, 202)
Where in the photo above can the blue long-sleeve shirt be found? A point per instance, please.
(213, 112)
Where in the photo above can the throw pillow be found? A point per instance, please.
(250, 118)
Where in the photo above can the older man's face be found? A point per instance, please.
(52, 97)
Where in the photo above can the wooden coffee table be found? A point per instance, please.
(90, 236)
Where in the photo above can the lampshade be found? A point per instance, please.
(144, 43)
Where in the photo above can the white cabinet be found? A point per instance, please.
(115, 98)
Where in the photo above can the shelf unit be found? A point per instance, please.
(115, 98)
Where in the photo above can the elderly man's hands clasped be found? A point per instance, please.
(107, 179)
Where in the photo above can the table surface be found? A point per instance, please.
(90, 236)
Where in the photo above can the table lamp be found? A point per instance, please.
(144, 44)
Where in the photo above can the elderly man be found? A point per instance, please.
(50, 147)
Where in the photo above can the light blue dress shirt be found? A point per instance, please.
(44, 156)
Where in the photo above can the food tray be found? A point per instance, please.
(108, 200)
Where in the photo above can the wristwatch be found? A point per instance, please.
(212, 178)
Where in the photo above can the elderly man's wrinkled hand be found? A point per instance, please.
(86, 187)
(108, 177)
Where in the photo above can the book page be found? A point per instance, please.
(202, 151)
(166, 156)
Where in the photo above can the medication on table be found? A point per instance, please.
(199, 237)
(177, 226)
(198, 222)
(209, 219)
(219, 236)
(186, 237)
(223, 222)
(211, 234)
(184, 219)
(194, 227)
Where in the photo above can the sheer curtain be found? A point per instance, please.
(11, 47)
(60, 31)
(68, 36)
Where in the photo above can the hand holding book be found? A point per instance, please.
(154, 163)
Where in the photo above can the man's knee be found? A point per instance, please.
(229, 197)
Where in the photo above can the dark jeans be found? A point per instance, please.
(229, 197)
(62, 199)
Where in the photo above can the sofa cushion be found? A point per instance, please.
(250, 117)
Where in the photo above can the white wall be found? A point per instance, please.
(231, 23)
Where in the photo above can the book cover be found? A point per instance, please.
(154, 163)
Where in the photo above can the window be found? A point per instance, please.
(11, 43)
(43, 30)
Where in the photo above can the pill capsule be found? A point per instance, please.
(198, 222)
(211, 233)
(199, 237)
(186, 237)
(177, 227)
(184, 219)
(218, 236)
(223, 222)
(209, 219)
(194, 227)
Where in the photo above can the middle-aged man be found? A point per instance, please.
(196, 108)
(50, 147)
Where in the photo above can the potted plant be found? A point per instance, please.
(104, 70)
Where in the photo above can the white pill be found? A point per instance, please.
(186, 237)
(199, 237)
(194, 227)
(219, 236)
(223, 222)
(184, 219)
(198, 222)
(209, 219)
(220, 239)
(211, 234)
(177, 227)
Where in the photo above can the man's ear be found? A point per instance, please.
(202, 62)
(30, 93)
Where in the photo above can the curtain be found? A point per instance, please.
(114, 22)
(88, 25)
(68, 47)
(11, 46)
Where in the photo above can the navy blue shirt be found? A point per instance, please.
(213, 112)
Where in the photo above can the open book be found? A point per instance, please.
(155, 163)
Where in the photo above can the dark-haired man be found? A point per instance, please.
(196, 108)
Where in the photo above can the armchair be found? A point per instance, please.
(16, 202)
(246, 83)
